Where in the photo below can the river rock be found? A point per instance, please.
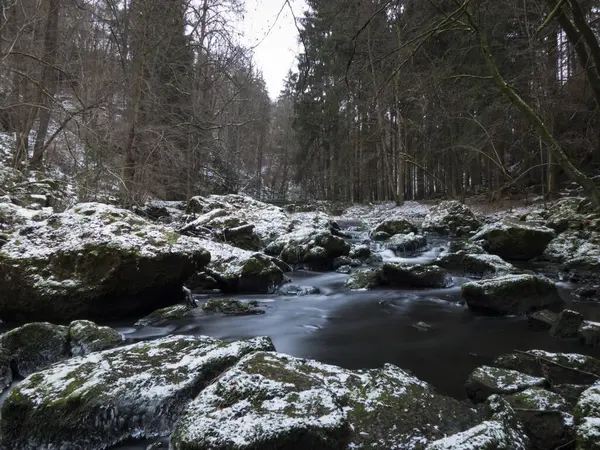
(271, 400)
(238, 271)
(6, 375)
(587, 416)
(161, 211)
(486, 380)
(86, 337)
(589, 333)
(368, 278)
(361, 252)
(341, 261)
(514, 240)
(35, 346)
(297, 290)
(164, 314)
(415, 275)
(475, 265)
(136, 391)
(451, 218)
(72, 265)
(541, 320)
(567, 324)
(579, 253)
(502, 431)
(567, 213)
(559, 368)
(394, 226)
(402, 244)
(511, 294)
(231, 307)
(545, 417)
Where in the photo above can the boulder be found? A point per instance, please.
(72, 264)
(511, 294)
(502, 431)
(578, 252)
(589, 333)
(161, 211)
(545, 417)
(360, 252)
(475, 265)
(231, 307)
(566, 213)
(165, 314)
(238, 271)
(415, 275)
(297, 290)
(541, 320)
(514, 240)
(404, 244)
(380, 236)
(35, 346)
(451, 218)
(486, 380)
(341, 261)
(96, 401)
(363, 279)
(309, 248)
(567, 324)
(271, 400)
(6, 375)
(86, 337)
(12, 215)
(394, 226)
(587, 417)
(559, 368)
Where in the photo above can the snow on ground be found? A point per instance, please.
(374, 213)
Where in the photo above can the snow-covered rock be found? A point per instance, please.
(451, 218)
(394, 226)
(6, 375)
(310, 248)
(559, 368)
(415, 275)
(234, 270)
(589, 333)
(475, 265)
(297, 290)
(163, 314)
(486, 380)
(514, 240)
(86, 337)
(511, 294)
(502, 431)
(364, 279)
(403, 244)
(587, 416)
(103, 398)
(35, 346)
(271, 400)
(72, 264)
(567, 213)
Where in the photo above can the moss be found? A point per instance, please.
(230, 307)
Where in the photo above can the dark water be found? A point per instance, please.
(367, 329)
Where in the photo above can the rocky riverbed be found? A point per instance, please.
(412, 327)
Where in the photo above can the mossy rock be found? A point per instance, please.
(368, 278)
(86, 337)
(231, 307)
(511, 294)
(395, 226)
(270, 400)
(417, 275)
(35, 346)
(162, 315)
(451, 218)
(405, 244)
(96, 401)
(486, 380)
(73, 264)
(6, 375)
(515, 240)
(475, 265)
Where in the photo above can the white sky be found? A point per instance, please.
(274, 54)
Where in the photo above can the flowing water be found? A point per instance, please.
(429, 332)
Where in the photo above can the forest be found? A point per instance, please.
(390, 99)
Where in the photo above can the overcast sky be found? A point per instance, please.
(276, 50)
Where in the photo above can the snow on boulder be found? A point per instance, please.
(234, 270)
(72, 265)
(415, 275)
(502, 431)
(485, 381)
(589, 333)
(475, 265)
(6, 374)
(451, 218)
(567, 213)
(98, 400)
(511, 294)
(587, 417)
(514, 240)
(309, 247)
(578, 251)
(272, 400)
(86, 337)
(164, 314)
(394, 226)
(405, 244)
